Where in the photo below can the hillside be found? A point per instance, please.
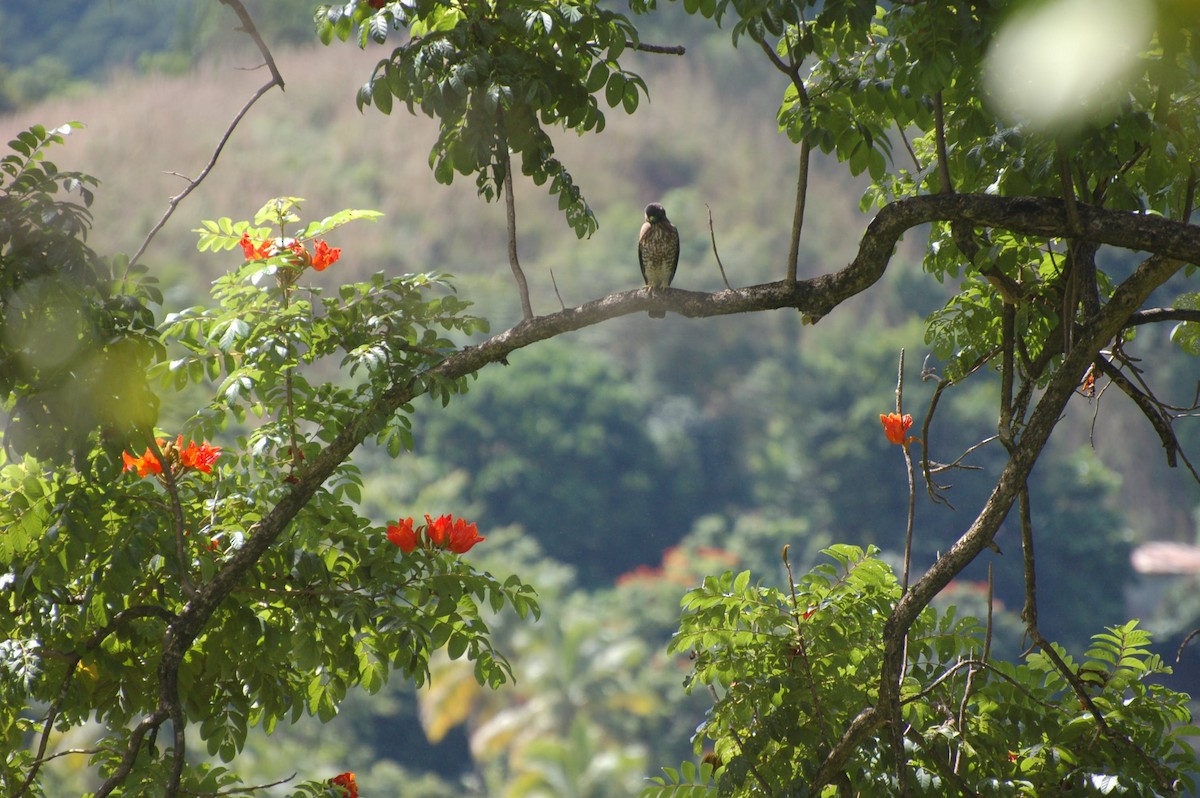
(694, 146)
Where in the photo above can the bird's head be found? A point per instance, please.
(655, 213)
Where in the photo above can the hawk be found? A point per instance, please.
(658, 251)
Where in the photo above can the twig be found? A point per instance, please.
(240, 790)
(896, 717)
(510, 207)
(276, 80)
(1029, 611)
(981, 665)
(945, 184)
(792, 69)
(932, 488)
(912, 479)
(716, 254)
(958, 463)
(1156, 315)
(802, 649)
(1006, 428)
(1154, 411)
(801, 202)
(1191, 636)
(178, 525)
(968, 688)
(561, 304)
(907, 146)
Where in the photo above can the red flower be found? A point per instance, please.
(144, 465)
(439, 531)
(895, 425)
(346, 783)
(403, 535)
(445, 532)
(256, 250)
(199, 457)
(377, 4)
(177, 456)
(463, 536)
(325, 255)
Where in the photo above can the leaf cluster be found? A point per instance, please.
(497, 77)
(790, 671)
(76, 330)
(98, 577)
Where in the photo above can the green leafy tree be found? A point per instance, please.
(782, 663)
(134, 601)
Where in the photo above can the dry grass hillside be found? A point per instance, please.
(688, 147)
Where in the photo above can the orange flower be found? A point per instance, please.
(256, 250)
(177, 456)
(463, 536)
(439, 530)
(445, 532)
(895, 425)
(346, 783)
(325, 255)
(199, 457)
(403, 535)
(144, 465)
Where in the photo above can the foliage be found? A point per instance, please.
(98, 573)
(781, 665)
(496, 80)
(76, 332)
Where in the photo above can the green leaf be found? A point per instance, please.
(614, 91)
(381, 95)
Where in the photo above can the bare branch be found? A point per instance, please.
(945, 184)
(712, 234)
(1154, 411)
(791, 68)
(563, 305)
(276, 80)
(510, 207)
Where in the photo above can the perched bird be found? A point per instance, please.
(658, 251)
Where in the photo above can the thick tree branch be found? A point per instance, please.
(661, 49)
(1159, 315)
